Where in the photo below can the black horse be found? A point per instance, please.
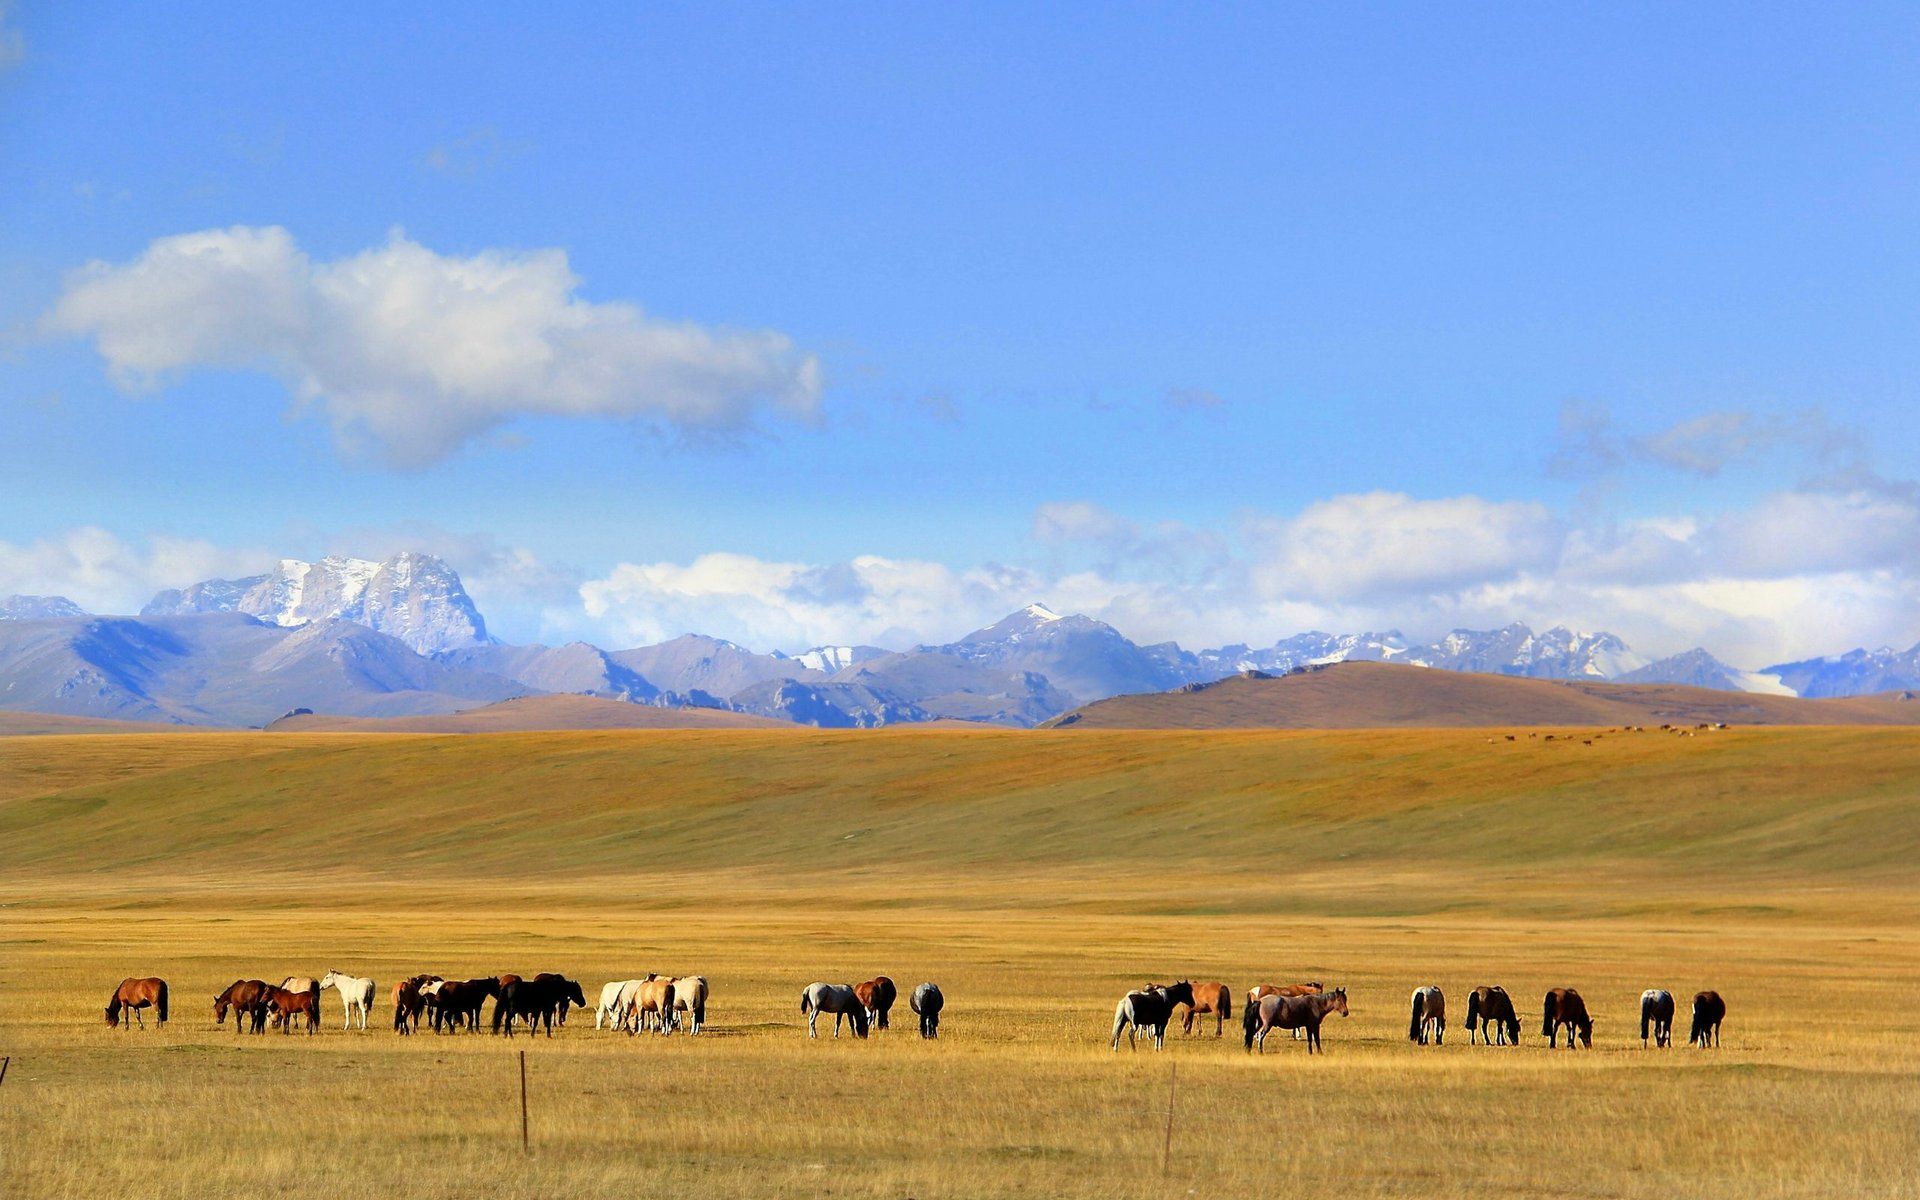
(1490, 1011)
(535, 1001)
(458, 1003)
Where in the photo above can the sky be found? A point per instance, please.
(872, 324)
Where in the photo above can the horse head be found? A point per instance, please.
(574, 993)
(1179, 993)
(1339, 1002)
(859, 1016)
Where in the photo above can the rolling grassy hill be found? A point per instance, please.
(1371, 695)
(534, 714)
(1743, 805)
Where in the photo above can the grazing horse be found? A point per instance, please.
(608, 1008)
(134, 995)
(1261, 991)
(458, 1002)
(1656, 1016)
(690, 997)
(427, 986)
(1491, 1010)
(927, 1002)
(652, 1004)
(627, 1007)
(568, 998)
(1215, 998)
(877, 995)
(534, 1001)
(1429, 1016)
(1292, 1012)
(286, 1005)
(837, 998)
(1150, 1008)
(407, 1003)
(1708, 1011)
(1563, 1006)
(248, 1000)
(300, 983)
(356, 995)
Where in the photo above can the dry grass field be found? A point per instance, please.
(1036, 876)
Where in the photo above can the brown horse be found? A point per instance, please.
(876, 995)
(1490, 1010)
(1563, 1006)
(1261, 991)
(1292, 1012)
(1708, 1011)
(248, 1000)
(1215, 998)
(136, 994)
(407, 1003)
(287, 1004)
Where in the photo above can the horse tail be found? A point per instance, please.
(1473, 1009)
(500, 1007)
(806, 1003)
(1646, 1015)
(1249, 1018)
(1546, 1017)
(160, 1002)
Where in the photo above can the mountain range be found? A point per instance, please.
(352, 637)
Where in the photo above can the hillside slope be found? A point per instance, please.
(1369, 695)
(1155, 808)
(534, 714)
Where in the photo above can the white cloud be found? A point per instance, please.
(412, 354)
(104, 573)
(793, 606)
(1390, 544)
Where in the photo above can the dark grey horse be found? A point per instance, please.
(927, 1001)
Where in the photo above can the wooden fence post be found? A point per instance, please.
(526, 1145)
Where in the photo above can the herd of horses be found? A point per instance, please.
(1301, 1008)
(664, 1004)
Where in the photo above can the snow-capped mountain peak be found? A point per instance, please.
(412, 596)
(1041, 612)
(37, 608)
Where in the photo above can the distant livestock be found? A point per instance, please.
(1215, 999)
(1490, 1011)
(1708, 1011)
(1656, 1017)
(356, 996)
(877, 996)
(1563, 1006)
(135, 994)
(1429, 1021)
(838, 999)
(926, 1003)
(1149, 1010)
(1291, 1012)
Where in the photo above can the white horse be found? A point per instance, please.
(690, 997)
(838, 999)
(609, 1007)
(356, 995)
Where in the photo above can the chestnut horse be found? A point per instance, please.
(287, 1005)
(136, 994)
(1292, 1012)
(1490, 1009)
(1708, 1011)
(1563, 1006)
(877, 995)
(1429, 1016)
(248, 1000)
(407, 1003)
(1215, 998)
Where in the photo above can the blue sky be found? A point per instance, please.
(1219, 325)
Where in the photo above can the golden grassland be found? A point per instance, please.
(1036, 877)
